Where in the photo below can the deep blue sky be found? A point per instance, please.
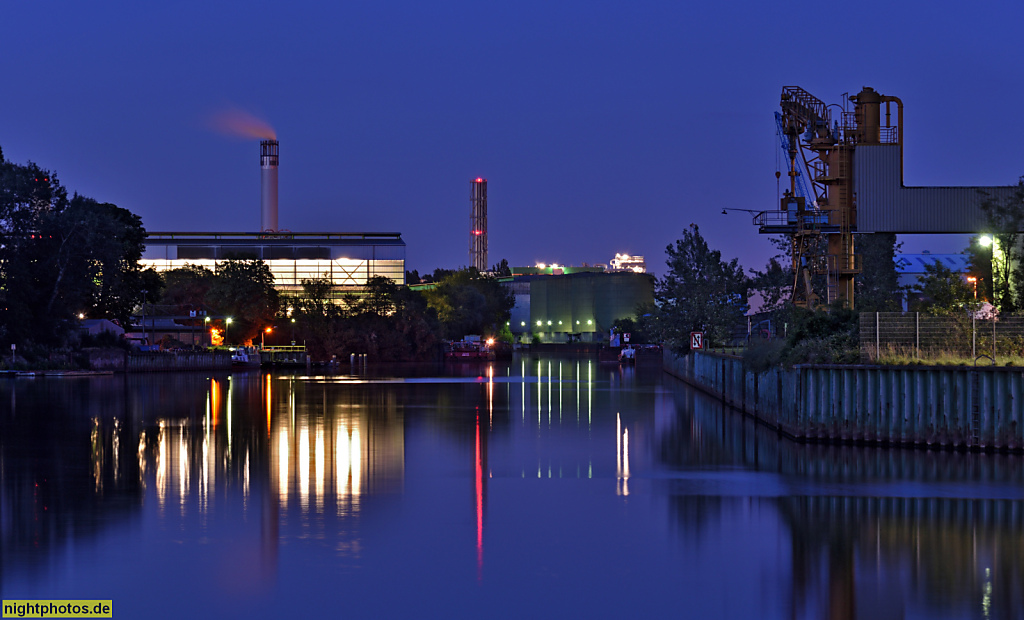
(602, 127)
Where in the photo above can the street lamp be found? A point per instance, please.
(265, 331)
(227, 324)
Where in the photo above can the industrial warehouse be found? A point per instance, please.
(348, 260)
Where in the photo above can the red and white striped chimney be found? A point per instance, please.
(268, 185)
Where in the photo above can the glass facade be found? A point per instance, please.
(349, 260)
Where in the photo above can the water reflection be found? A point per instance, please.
(446, 479)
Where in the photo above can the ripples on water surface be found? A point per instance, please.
(537, 488)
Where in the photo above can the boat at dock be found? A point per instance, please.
(469, 350)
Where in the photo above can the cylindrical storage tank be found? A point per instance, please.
(868, 113)
(268, 185)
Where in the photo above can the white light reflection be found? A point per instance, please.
(356, 458)
(540, 399)
(621, 457)
(245, 479)
(490, 396)
(96, 444)
(143, 461)
(560, 391)
(320, 473)
(577, 377)
(161, 466)
(282, 465)
(549, 394)
(523, 390)
(304, 468)
(341, 459)
(183, 467)
(116, 449)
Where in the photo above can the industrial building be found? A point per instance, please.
(579, 306)
(846, 176)
(348, 260)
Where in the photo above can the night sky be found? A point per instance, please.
(602, 127)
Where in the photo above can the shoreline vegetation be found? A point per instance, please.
(65, 258)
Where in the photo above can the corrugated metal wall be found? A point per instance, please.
(883, 205)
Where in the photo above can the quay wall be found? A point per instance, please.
(924, 406)
(117, 360)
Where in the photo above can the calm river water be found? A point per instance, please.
(537, 488)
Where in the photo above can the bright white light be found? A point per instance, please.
(985, 240)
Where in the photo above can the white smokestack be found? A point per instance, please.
(268, 185)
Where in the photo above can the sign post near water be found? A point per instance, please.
(696, 341)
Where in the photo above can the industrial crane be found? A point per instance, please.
(821, 233)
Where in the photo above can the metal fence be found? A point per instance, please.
(921, 336)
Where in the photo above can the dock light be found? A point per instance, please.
(81, 315)
(549, 322)
(539, 323)
(985, 241)
(490, 342)
(590, 322)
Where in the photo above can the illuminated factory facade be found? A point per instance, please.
(576, 304)
(348, 260)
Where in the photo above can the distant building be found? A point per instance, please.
(626, 262)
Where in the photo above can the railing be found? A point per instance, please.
(809, 218)
(914, 335)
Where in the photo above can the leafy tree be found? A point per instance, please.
(501, 269)
(980, 265)
(114, 238)
(635, 329)
(468, 303)
(187, 287)
(774, 285)
(700, 292)
(244, 289)
(60, 257)
(1004, 220)
(877, 288)
(942, 290)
